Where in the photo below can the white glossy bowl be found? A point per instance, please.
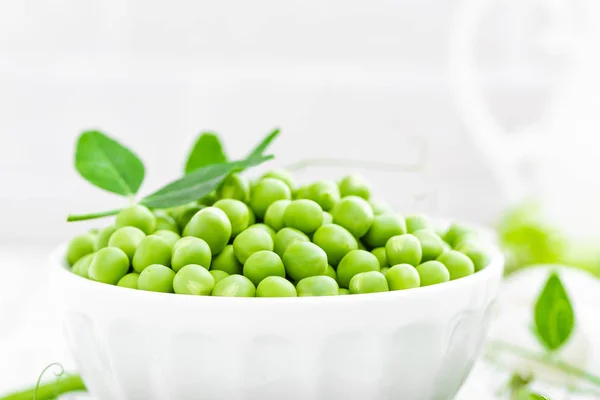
(418, 344)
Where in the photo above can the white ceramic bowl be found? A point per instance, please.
(418, 344)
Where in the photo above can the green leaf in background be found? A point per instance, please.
(197, 184)
(553, 314)
(106, 163)
(528, 238)
(262, 146)
(207, 150)
(535, 396)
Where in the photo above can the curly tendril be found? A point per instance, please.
(57, 374)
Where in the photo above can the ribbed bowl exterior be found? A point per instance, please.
(418, 344)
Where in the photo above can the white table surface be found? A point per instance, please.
(31, 335)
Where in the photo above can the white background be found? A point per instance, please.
(342, 78)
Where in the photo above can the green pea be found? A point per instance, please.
(165, 222)
(183, 214)
(343, 292)
(384, 270)
(274, 214)
(139, 216)
(304, 215)
(379, 252)
(354, 185)
(300, 193)
(265, 228)
(109, 265)
(211, 225)
(156, 278)
(354, 214)
(234, 286)
(283, 175)
(218, 275)
(235, 186)
(403, 249)
(418, 222)
(304, 259)
(193, 279)
(327, 218)
(80, 246)
(103, 237)
(325, 193)
(151, 250)
(250, 241)
(456, 233)
(330, 271)
(276, 286)
(361, 245)
(446, 246)
(209, 199)
(432, 273)
(475, 252)
(336, 241)
(127, 239)
(384, 227)
(317, 286)
(368, 282)
(262, 264)
(227, 261)
(380, 207)
(129, 281)
(266, 192)
(353, 263)
(287, 236)
(431, 244)
(457, 263)
(237, 212)
(170, 236)
(403, 276)
(190, 250)
(82, 266)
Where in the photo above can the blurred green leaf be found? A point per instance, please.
(206, 151)
(553, 314)
(107, 164)
(528, 239)
(197, 184)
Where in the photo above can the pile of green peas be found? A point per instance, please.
(270, 238)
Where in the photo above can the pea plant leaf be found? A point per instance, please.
(553, 314)
(262, 146)
(535, 396)
(197, 184)
(107, 164)
(207, 150)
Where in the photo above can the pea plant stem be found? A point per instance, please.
(83, 217)
(63, 384)
(531, 355)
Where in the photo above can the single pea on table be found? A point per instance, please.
(275, 238)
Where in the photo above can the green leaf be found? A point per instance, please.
(262, 146)
(207, 150)
(535, 396)
(553, 314)
(197, 184)
(106, 163)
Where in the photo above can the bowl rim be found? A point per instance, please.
(493, 271)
